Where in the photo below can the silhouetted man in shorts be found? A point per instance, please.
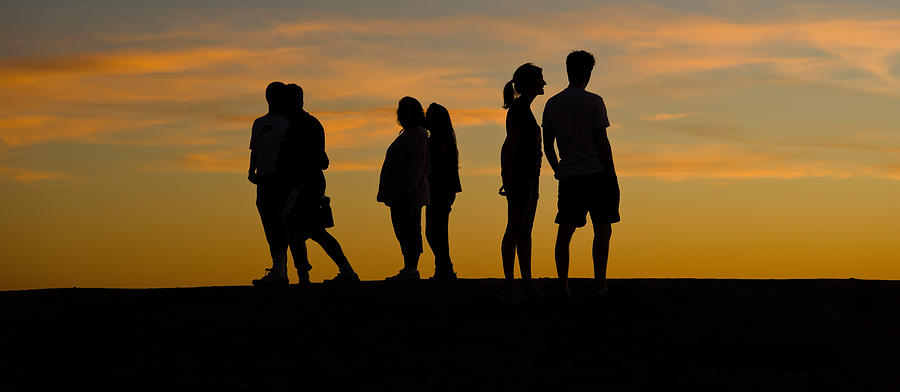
(576, 119)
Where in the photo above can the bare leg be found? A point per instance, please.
(515, 219)
(563, 238)
(602, 234)
(332, 248)
(524, 244)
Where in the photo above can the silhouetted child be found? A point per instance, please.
(576, 119)
(443, 180)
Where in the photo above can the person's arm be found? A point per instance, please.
(320, 145)
(251, 175)
(601, 122)
(549, 147)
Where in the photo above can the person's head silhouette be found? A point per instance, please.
(274, 97)
(528, 81)
(579, 65)
(293, 98)
(410, 113)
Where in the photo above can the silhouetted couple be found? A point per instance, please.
(576, 120)
(419, 171)
(287, 161)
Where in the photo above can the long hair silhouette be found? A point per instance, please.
(441, 128)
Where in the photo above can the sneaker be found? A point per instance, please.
(271, 278)
(303, 275)
(405, 274)
(344, 276)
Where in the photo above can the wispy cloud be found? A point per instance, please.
(667, 116)
(28, 177)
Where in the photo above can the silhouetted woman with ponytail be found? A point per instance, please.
(403, 185)
(520, 167)
(444, 182)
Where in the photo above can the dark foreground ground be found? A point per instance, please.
(652, 334)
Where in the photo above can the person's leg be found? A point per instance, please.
(414, 239)
(408, 230)
(436, 232)
(516, 212)
(600, 251)
(268, 200)
(563, 238)
(523, 245)
(332, 248)
(297, 245)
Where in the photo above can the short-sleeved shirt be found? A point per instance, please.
(575, 116)
(520, 155)
(265, 140)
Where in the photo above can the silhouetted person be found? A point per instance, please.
(520, 167)
(265, 141)
(301, 160)
(444, 182)
(576, 119)
(403, 185)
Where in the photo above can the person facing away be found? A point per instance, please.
(403, 184)
(302, 160)
(520, 167)
(444, 183)
(265, 141)
(576, 120)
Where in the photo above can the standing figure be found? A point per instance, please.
(403, 184)
(576, 119)
(265, 141)
(520, 167)
(302, 160)
(444, 182)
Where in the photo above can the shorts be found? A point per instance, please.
(595, 193)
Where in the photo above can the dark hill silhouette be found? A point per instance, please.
(652, 334)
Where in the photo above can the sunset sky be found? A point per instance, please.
(752, 139)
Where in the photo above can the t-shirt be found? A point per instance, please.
(265, 140)
(575, 116)
(520, 155)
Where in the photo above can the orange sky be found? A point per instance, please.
(751, 142)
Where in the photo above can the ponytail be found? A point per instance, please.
(509, 94)
(525, 75)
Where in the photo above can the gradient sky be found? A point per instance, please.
(752, 139)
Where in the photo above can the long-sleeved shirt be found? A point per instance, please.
(302, 157)
(404, 174)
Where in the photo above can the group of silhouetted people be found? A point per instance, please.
(421, 169)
